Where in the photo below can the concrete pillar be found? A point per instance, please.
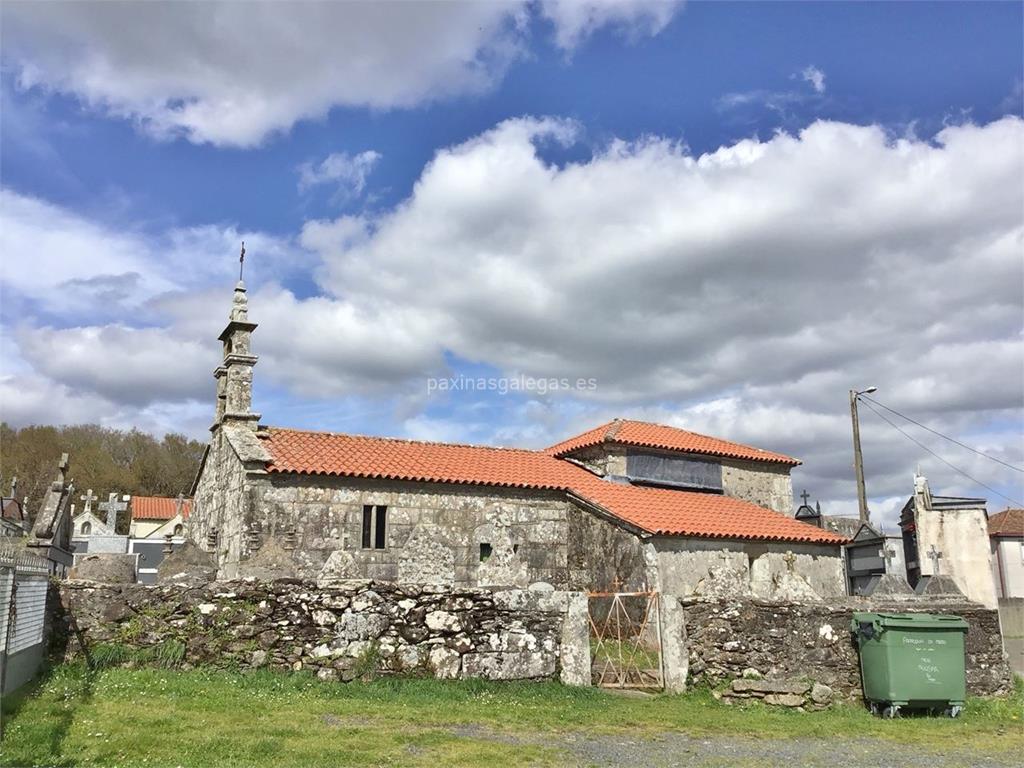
(675, 656)
(574, 650)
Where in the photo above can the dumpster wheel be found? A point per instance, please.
(954, 710)
(891, 711)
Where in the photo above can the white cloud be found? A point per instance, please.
(232, 73)
(346, 173)
(741, 292)
(575, 20)
(72, 266)
(811, 74)
(134, 366)
(29, 398)
(45, 245)
(779, 272)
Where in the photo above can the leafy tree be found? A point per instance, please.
(105, 460)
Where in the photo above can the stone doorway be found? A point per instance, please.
(626, 640)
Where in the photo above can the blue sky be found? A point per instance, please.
(724, 214)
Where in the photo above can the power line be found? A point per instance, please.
(944, 437)
(933, 453)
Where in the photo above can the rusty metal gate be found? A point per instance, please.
(625, 640)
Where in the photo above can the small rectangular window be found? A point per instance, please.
(485, 552)
(367, 524)
(381, 514)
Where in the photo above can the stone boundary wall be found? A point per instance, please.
(731, 639)
(339, 632)
(344, 631)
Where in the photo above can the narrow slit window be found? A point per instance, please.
(380, 527)
(367, 525)
(485, 551)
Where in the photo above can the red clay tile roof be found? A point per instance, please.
(654, 510)
(1009, 522)
(158, 507)
(646, 435)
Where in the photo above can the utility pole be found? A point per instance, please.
(858, 458)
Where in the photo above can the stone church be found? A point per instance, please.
(627, 504)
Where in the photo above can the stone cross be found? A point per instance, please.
(112, 506)
(805, 496)
(889, 553)
(88, 497)
(934, 555)
(62, 471)
(790, 559)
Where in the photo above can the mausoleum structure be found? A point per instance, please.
(946, 540)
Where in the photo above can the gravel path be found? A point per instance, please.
(673, 749)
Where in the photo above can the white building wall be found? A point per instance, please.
(688, 567)
(146, 529)
(961, 535)
(1008, 566)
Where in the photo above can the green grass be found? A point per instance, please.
(164, 717)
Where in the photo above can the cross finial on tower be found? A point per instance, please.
(241, 262)
(805, 496)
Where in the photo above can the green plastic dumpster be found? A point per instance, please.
(913, 660)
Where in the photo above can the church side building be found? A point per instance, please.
(628, 504)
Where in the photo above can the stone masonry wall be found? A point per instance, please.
(603, 557)
(762, 483)
(790, 641)
(338, 633)
(433, 534)
(219, 500)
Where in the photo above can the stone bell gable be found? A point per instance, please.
(327, 506)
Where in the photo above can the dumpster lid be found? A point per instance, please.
(913, 620)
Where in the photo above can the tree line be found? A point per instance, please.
(105, 460)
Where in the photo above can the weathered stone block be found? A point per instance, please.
(784, 699)
(821, 694)
(770, 686)
(509, 665)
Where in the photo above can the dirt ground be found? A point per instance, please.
(671, 749)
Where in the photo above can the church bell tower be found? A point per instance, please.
(234, 374)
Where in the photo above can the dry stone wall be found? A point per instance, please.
(340, 632)
(729, 640)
